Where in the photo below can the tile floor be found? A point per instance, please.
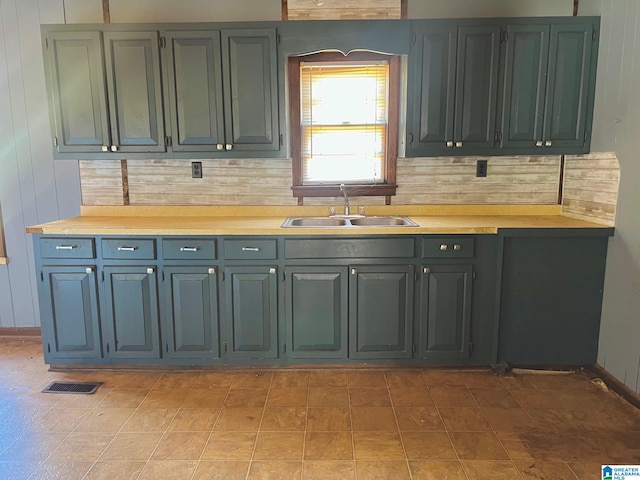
(308, 424)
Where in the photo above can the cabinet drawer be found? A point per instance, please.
(129, 248)
(65, 247)
(250, 249)
(349, 248)
(447, 247)
(188, 249)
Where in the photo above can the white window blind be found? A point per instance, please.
(344, 111)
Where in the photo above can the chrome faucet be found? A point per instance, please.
(343, 189)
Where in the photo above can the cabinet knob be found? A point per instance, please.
(449, 144)
(426, 270)
(229, 146)
(457, 248)
(548, 143)
(105, 148)
(354, 271)
(220, 146)
(89, 270)
(114, 148)
(444, 247)
(458, 144)
(539, 143)
(151, 270)
(272, 271)
(212, 271)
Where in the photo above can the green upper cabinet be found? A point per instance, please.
(454, 86)
(193, 73)
(434, 63)
(569, 85)
(135, 94)
(250, 90)
(548, 88)
(527, 52)
(78, 101)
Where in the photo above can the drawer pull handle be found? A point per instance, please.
(189, 249)
(127, 249)
(444, 247)
(250, 249)
(457, 248)
(66, 247)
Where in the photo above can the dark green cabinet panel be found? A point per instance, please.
(78, 100)
(380, 311)
(569, 85)
(454, 84)
(476, 87)
(69, 313)
(193, 73)
(250, 90)
(434, 70)
(445, 311)
(316, 312)
(527, 51)
(130, 312)
(135, 94)
(251, 320)
(191, 312)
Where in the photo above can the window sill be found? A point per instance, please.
(4, 260)
(377, 190)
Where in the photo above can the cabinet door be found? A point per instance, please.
(194, 83)
(251, 298)
(191, 312)
(250, 90)
(130, 311)
(568, 85)
(445, 317)
(135, 94)
(316, 312)
(380, 311)
(476, 88)
(525, 81)
(433, 76)
(78, 91)
(69, 313)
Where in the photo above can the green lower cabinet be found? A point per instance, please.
(130, 309)
(380, 311)
(445, 312)
(251, 312)
(69, 313)
(191, 313)
(316, 312)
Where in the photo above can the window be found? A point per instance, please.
(344, 118)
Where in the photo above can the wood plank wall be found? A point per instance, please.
(591, 187)
(510, 180)
(343, 9)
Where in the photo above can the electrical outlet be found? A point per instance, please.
(481, 168)
(196, 169)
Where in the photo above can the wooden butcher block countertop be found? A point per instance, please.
(268, 220)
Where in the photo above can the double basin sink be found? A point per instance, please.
(348, 222)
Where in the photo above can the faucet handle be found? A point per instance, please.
(332, 210)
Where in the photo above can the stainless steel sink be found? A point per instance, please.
(348, 222)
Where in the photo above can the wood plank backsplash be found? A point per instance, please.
(590, 187)
(343, 9)
(450, 180)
